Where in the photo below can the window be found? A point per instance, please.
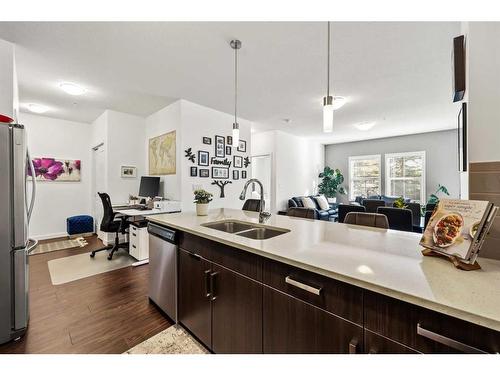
(405, 175)
(364, 176)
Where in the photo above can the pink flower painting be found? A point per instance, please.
(51, 169)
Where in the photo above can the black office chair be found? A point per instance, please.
(398, 218)
(252, 205)
(372, 205)
(306, 213)
(344, 209)
(110, 225)
(416, 214)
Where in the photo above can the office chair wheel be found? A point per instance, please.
(92, 255)
(110, 256)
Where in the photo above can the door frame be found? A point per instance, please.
(272, 188)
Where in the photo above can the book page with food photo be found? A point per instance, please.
(454, 227)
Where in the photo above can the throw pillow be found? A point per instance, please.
(322, 202)
(308, 203)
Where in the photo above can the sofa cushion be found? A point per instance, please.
(308, 202)
(323, 215)
(322, 202)
(292, 203)
(298, 200)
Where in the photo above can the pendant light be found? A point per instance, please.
(236, 45)
(328, 99)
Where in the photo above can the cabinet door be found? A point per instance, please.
(193, 300)
(376, 344)
(293, 326)
(236, 313)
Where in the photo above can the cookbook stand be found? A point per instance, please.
(454, 260)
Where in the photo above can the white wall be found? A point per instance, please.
(164, 121)
(125, 147)
(7, 79)
(484, 91)
(440, 155)
(55, 201)
(196, 122)
(297, 163)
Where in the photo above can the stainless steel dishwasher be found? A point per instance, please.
(163, 269)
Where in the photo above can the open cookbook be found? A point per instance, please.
(458, 228)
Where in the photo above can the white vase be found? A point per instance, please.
(202, 209)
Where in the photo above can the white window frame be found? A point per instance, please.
(388, 175)
(361, 157)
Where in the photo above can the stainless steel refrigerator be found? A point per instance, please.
(16, 205)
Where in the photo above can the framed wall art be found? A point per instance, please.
(220, 146)
(204, 173)
(237, 161)
(229, 140)
(128, 171)
(162, 154)
(203, 158)
(242, 146)
(228, 150)
(243, 174)
(220, 173)
(56, 170)
(194, 172)
(236, 175)
(207, 140)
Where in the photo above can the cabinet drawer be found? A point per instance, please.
(376, 344)
(334, 296)
(425, 330)
(293, 326)
(236, 260)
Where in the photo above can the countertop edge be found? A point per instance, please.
(444, 309)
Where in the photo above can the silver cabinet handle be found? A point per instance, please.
(460, 346)
(353, 345)
(303, 286)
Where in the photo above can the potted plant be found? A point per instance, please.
(434, 198)
(400, 203)
(202, 198)
(330, 185)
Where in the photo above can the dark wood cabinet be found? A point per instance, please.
(236, 313)
(425, 330)
(194, 306)
(376, 344)
(293, 326)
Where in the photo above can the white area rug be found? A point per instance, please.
(173, 340)
(75, 267)
(59, 245)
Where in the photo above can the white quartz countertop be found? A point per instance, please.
(385, 261)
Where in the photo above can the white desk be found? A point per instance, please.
(136, 212)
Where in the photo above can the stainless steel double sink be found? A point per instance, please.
(243, 229)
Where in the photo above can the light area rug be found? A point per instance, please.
(173, 340)
(75, 267)
(59, 245)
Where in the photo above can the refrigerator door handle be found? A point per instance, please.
(33, 186)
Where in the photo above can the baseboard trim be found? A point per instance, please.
(58, 235)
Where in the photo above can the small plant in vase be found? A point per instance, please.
(202, 198)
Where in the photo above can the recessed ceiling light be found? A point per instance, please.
(37, 108)
(72, 88)
(364, 126)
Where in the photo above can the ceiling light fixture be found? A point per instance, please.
(338, 102)
(328, 99)
(72, 88)
(236, 45)
(37, 108)
(364, 126)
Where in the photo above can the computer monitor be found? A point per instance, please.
(150, 186)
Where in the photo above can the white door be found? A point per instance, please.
(262, 170)
(98, 185)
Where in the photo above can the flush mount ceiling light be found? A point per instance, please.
(72, 88)
(364, 126)
(37, 108)
(235, 45)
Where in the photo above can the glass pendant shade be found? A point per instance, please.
(328, 114)
(236, 135)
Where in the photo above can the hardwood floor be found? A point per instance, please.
(105, 313)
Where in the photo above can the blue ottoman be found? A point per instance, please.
(79, 224)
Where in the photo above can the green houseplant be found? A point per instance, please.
(330, 185)
(434, 198)
(400, 203)
(202, 198)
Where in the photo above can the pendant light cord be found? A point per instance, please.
(235, 83)
(328, 63)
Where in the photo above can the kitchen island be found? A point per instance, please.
(327, 287)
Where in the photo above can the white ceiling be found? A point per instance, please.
(397, 74)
